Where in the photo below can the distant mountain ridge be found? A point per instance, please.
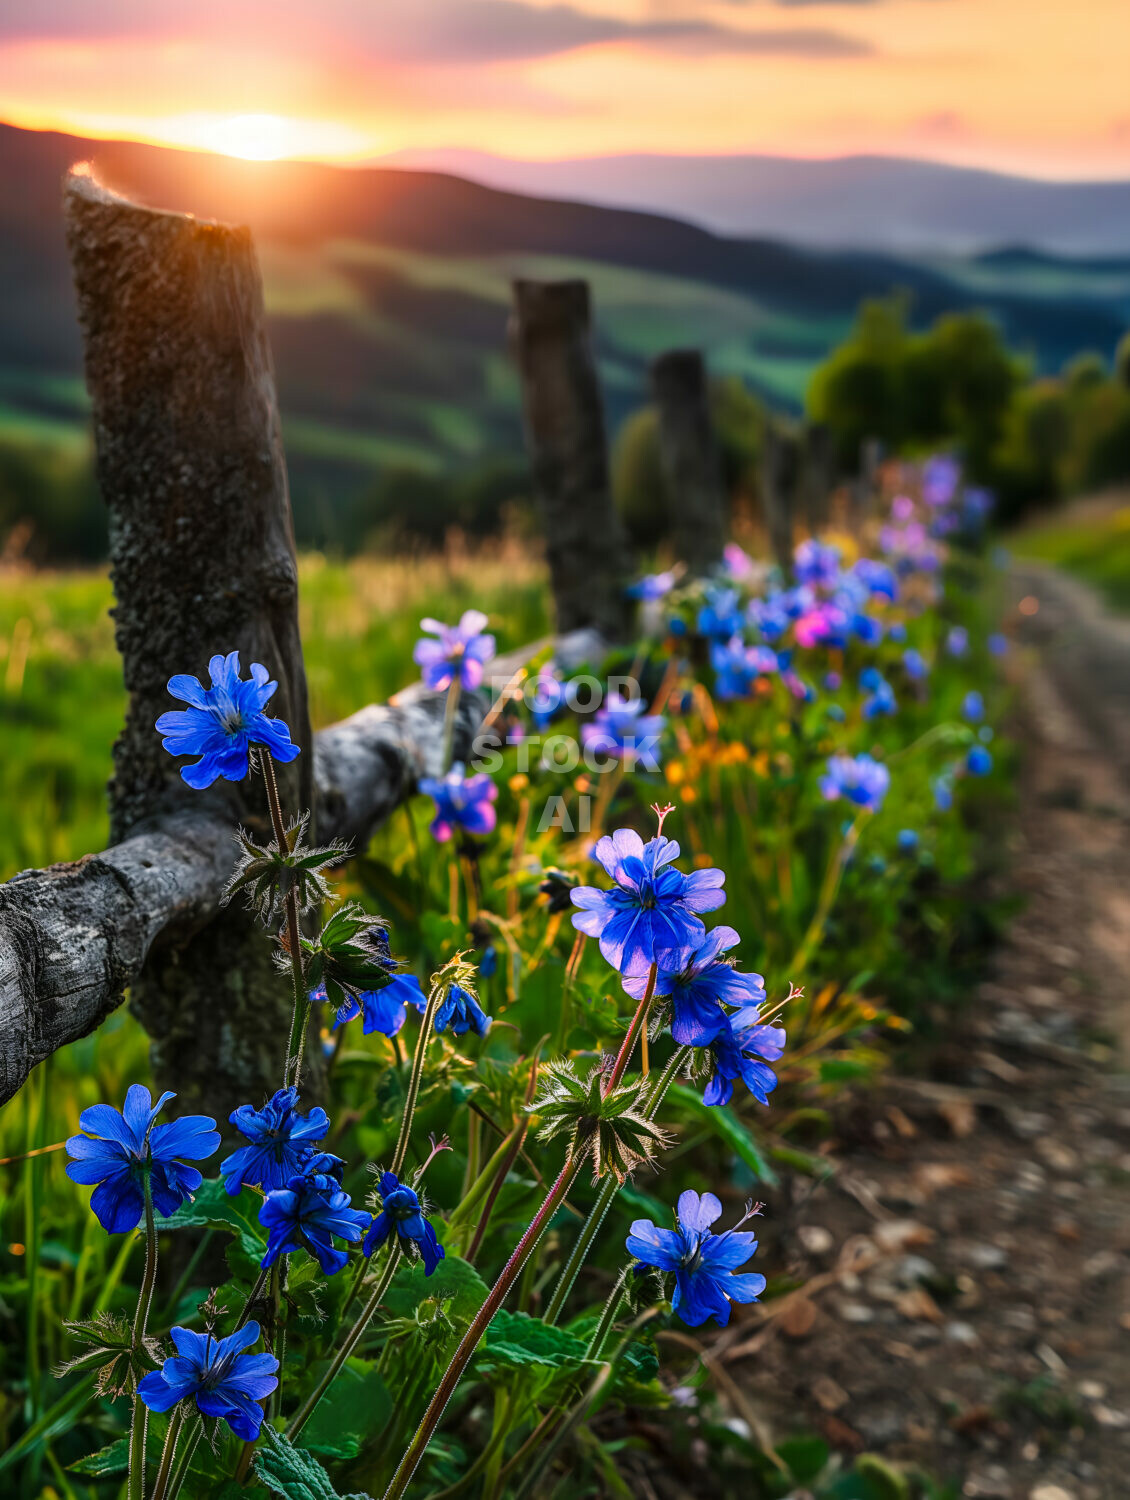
(388, 292)
(850, 202)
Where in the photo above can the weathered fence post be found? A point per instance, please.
(818, 472)
(564, 418)
(689, 455)
(865, 493)
(191, 467)
(779, 474)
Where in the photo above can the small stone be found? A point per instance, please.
(1050, 1492)
(894, 1235)
(1105, 1263)
(1106, 1416)
(829, 1396)
(918, 1305)
(815, 1239)
(1058, 1156)
(962, 1333)
(910, 1270)
(978, 1255)
(1027, 1124)
(880, 1427)
(993, 1484)
(1019, 1319)
(1092, 1390)
(856, 1312)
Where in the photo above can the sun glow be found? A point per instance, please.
(254, 137)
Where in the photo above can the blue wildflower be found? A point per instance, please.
(384, 1010)
(978, 762)
(880, 698)
(282, 1141)
(488, 964)
(544, 695)
(720, 618)
(914, 664)
(620, 728)
(860, 779)
(652, 586)
(973, 707)
(817, 563)
(943, 791)
(460, 1010)
(222, 722)
(878, 577)
(226, 1382)
(897, 631)
(461, 802)
(743, 1049)
(997, 644)
(460, 650)
(907, 839)
(401, 1212)
(957, 641)
(705, 1264)
(651, 913)
(306, 1215)
(699, 991)
(123, 1147)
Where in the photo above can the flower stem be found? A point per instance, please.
(449, 714)
(829, 890)
(172, 1436)
(140, 1421)
(608, 1316)
(608, 1190)
(481, 1322)
(422, 1040)
(181, 1471)
(349, 1343)
(638, 1021)
(300, 1016)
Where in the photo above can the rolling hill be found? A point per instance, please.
(387, 293)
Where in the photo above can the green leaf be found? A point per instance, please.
(516, 1339)
(356, 1405)
(804, 1457)
(106, 1462)
(212, 1206)
(453, 1281)
(839, 1069)
(293, 1473)
(719, 1120)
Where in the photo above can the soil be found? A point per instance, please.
(965, 1297)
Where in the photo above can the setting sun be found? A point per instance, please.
(254, 137)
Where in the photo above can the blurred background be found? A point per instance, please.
(908, 219)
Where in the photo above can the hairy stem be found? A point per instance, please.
(172, 1435)
(140, 1421)
(300, 1015)
(608, 1190)
(181, 1470)
(349, 1343)
(481, 1322)
(426, 1022)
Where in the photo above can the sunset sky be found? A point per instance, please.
(1037, 86)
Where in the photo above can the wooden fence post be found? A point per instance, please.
(818, 473)
(564, 419)
(191, 467)
(689, 455)
(779, 474)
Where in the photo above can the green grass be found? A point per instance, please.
(62, 699)
(1094, 548)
